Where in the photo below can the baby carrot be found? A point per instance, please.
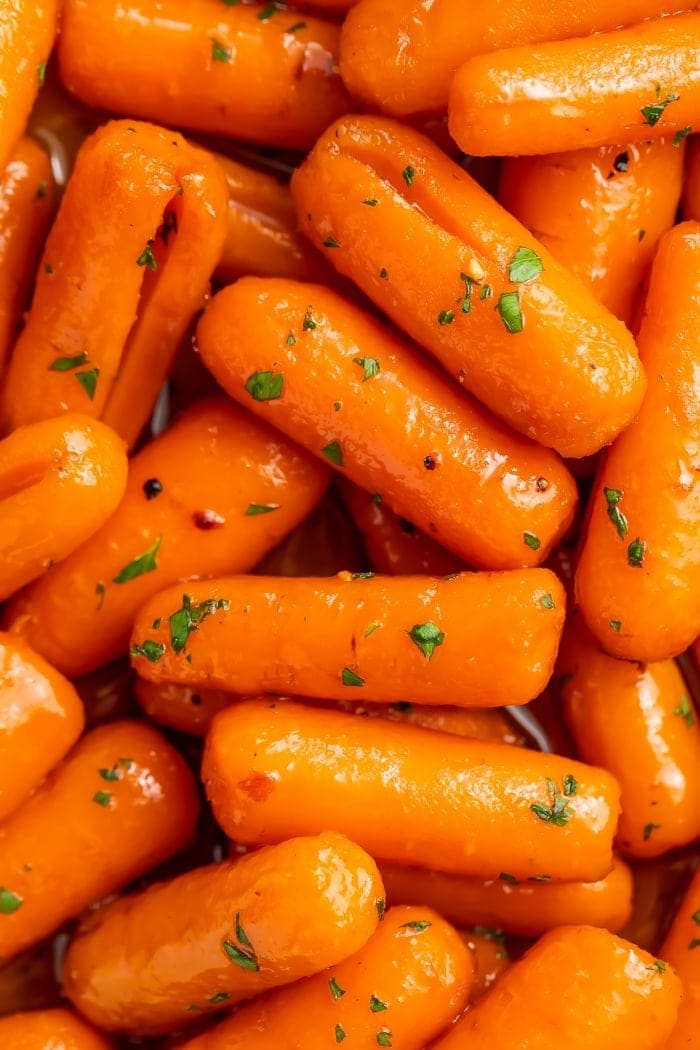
(75, 354)
(638, 575)
(27, 196)
(489, 958)
(41, 716)
(207, 939)
(681, 949)
(563, 95)
(180, 707)
(290, 352)
(211, 494)
(524, 908)
(122, 801)
(27, 31)
(447, 802)
(407, 983)
(691, 184)
(250, 71)
(607, 994)
(56, 1029)
(600, 212)
(60, 479)
(506, 320)
(475, 640)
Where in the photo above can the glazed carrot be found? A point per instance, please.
(75, 354)
(28, 982)
(600, 212)
(211, 494)
(460, 805)
(629, 85)
(123, 801)
(401, 57)
(56, 1029)
(681, 949)
(638, 575)
(659, 886)
(576, 987)
(180, 707)
(525, 908)
(60, 479)
(477, 640)
(407, 983)
(27, 198)
(248, 71)
(489, 958)
(638, 721)
(504, 318)
(27, 30)
(289, 352)
(41, 717)
(691, 184)
(213, 936)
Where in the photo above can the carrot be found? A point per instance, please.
(691, 185)
(75, 354)
(638, 722)
(401, 57)
(60, 479)
(213, 936)
(445, 800)
(489, 958)
(121, 802)
(41, 717)
(563, 95)
(525, 908)
(401, 989)
(27, 31)
(681, 949)
(56, 1029)
(506, 320)
(576, 987)
(599, 211)
(638, 576)
(659, 886)
(180, 707)
(27, 198)
(29, 982)
(248, 71)
(211, 494)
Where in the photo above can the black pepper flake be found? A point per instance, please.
(621, 163)
(430, 462)
(407, 526)
(152, 488)
(542, 484)
(208, 519)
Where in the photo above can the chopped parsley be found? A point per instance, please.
(445, 317)
(384, 1037)
(145, 562)
(376, 1004)
(525, 265)
(531, 541)
(408, 175)
(511, 314)
(380, 905)
(370, 367)
(612, 499)
(681, 134)
(308, 324)
(339, 1033)
(653, 114)
(417, 925)
(648, 830)
(371, 628)
(242, 954)
(558, 812)
(260, 508)
(152, 651)
(147, 258)
(189, 617)
(547, 602)
(67, 364)
(635, 553)
(9, 901)
(336, 991)
(615, 625)
(333, 452)
(349, 677)
(427, 636)
(88, 381)
(265, 386)
(102, 798)
(685, 711)
(331, 242)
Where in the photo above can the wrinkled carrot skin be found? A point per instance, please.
(149, 815)
(657, 603)
(691, 184)
(205, 66)
(522, 908)
(638, 721)
(174, 196)
(138, 963)
(571, 378)
(682, 951)
(56, 1029)
(60, 479)
(489, 958)
(600, 212)
(212, 464)
(41, 717)
(404, 432)
(422, 975)
(27, 200)
(27, 31)
(568, 94)
(449, 802)
(401, 57)
(609, 994)
(499, 644)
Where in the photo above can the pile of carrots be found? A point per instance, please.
(349, 525)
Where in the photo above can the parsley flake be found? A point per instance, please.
(147, 258)
(427, 636)
(331, 242)
(260, 508)
(152, 651)
(370, 367)
(376, 1005)
(635, 553)
(67, 364)
(189, 617)
(350, 678)
(265, 386)
(408, 175)
(558, 812)
(88, 381)
(531, 541)
(445, 317)
(685, 711)
(511, 314)
(648, 830)
(525, 265)
(653, 114)
(102, 798)
(336, 991)
(333, 452)
(9, 901)
(612, 499)
(145, 562)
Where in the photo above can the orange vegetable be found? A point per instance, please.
(74, 354)
(525, 908)
(659, 886)
(60, 479)
(28, 982)
(122, 802)
(534, 344)
(194, 505)
(459, 805)
(638, 576)
(49, 1030)
(577, 987)
(180, 707)
(409, 981)
(213, 936)
(629, 85)
(691, 185)
(681, 949)
(600, 212)
(489, 957)
(249, 71)
(27, 195)
(290, 351)
(41, 717)
(27, 30)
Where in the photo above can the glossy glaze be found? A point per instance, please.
(489, 958)
(27, 31)
(682, 951)
(49, 1030)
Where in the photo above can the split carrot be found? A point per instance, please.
(27, 31)
(502, 316)
(630, 85)
(213, 936)
(691, 185)
(211, 494)
(681, 949)
(55, 1029)
(638, 575)
(489, 958)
